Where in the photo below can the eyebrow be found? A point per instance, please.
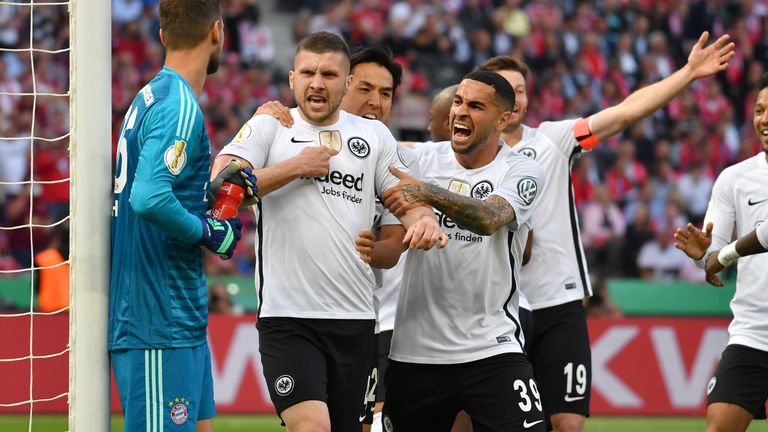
(370, 84)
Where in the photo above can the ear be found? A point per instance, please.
(290, 79)
(504, 119)
(217, 32)
(162, 37)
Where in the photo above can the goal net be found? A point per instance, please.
(55, 190)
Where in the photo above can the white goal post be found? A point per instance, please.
(90, 209)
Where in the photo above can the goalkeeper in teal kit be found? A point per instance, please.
(158, 300)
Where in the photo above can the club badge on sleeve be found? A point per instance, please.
(331, 139)
(176, 157)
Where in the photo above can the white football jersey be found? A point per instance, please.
(388, 280)
(557, 272)
(307, 265)
(740, 199)
(460, 303)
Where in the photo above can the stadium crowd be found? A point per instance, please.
(584, 56)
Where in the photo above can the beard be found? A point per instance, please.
(476, 143)
(213, 62)
(321, 117)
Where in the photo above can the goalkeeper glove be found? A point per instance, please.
(220, 236)
(243, 177)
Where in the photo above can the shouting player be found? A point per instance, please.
(458, 343)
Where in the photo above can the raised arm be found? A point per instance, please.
(702, 61)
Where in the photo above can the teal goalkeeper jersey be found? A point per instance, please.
(158, 296)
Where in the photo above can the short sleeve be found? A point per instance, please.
(254, 140)
(521, 187)
(561, 133)
(388, 155)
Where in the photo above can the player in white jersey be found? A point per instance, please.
(457, 342)
(376, 77)
(739, 390)
(317, 182)
(556, 279)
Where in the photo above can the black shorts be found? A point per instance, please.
(499, 394)
(329, 360)
(562, 358)
(385, 344)
(526, 325)
(741, 379)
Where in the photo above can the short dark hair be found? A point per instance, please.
(185, 23)
(324, 42)
(763, 82)
(381, 56)
(505, 62)
(504, 93)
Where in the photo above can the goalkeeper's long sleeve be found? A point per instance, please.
(156, 204)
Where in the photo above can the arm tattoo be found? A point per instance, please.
(480, 217)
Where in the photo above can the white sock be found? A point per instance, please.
(376, 426)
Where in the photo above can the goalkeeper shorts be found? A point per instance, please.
(164, 389)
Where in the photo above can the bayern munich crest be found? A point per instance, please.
(359, 147)
(284, 385)
(179, 413)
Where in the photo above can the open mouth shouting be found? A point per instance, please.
(461, 130)
(317, 101)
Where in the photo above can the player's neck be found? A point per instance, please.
(481, 156)
(327, 122)
(191, 66)
(513, 137)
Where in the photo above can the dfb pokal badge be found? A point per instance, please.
(331, 139)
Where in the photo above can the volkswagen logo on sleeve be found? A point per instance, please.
(527, 189)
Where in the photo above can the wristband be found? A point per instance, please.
(728, 255)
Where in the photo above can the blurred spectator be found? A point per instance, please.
(602, 232)
(8, 102)
(695, 187)
(17, 221)
(51, 165)
(220, 302)
(52, 276)
(660, 260)
(14, 165)
(640, 231)
(626, 174)
(600, 304)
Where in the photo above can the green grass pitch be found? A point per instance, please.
(266, 423)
